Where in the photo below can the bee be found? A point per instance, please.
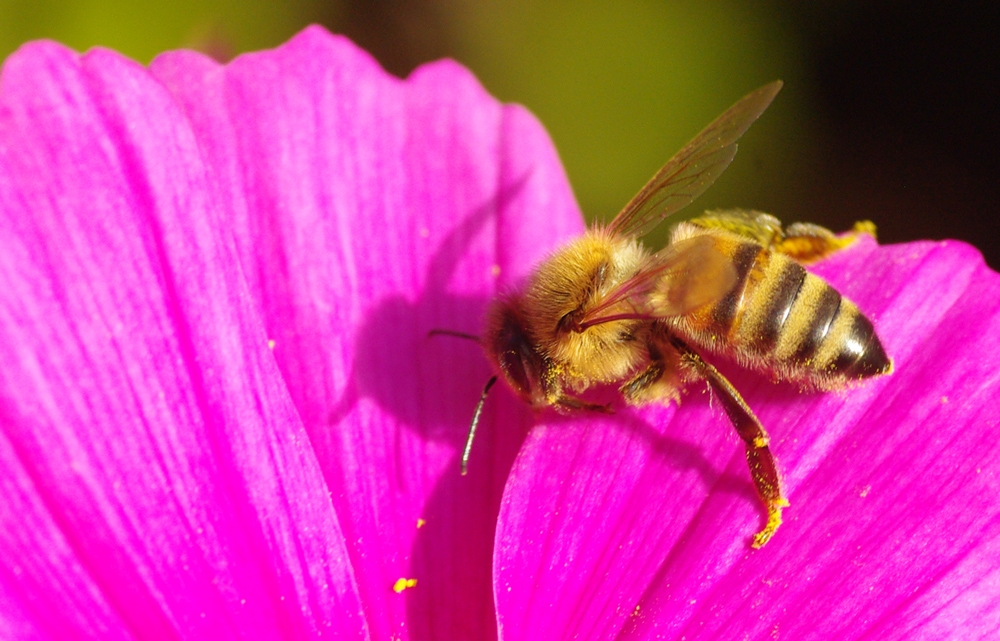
(604, 309)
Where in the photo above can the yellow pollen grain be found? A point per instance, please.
(421, 523)
(403, 584)
(270, 344)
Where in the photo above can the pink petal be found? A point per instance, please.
(161, 463)
(368, 211)
(637, 526)
(157, 479)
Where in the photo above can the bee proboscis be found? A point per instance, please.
(603, 309)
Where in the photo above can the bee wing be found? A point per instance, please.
(676, 280)
(694, 168)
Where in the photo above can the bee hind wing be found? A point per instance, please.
(701, 275)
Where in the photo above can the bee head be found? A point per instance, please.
(509, 346)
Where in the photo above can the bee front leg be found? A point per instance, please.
(566, 402)
(763, 466)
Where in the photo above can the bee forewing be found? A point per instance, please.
(694, 168)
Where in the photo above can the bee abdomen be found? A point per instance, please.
(779, 317)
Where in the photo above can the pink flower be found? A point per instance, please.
(222, 416)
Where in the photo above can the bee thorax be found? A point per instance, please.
(564, 288)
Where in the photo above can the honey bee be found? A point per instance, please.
(603, 309)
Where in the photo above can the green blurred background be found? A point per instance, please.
(889, 112)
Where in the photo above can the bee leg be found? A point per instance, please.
(551, 384)
(566, 402)
(763, 466)
(762, 228)
(804, 242)
(636, 389)
(808, 243)
(658, 383)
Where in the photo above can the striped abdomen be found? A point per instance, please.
(782, 319)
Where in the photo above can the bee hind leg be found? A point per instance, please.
(808, 243)
(804, 242)
(763, 466)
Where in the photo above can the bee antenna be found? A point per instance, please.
(475, 423)
(449, 332)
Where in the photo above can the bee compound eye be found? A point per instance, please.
(514, 365)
